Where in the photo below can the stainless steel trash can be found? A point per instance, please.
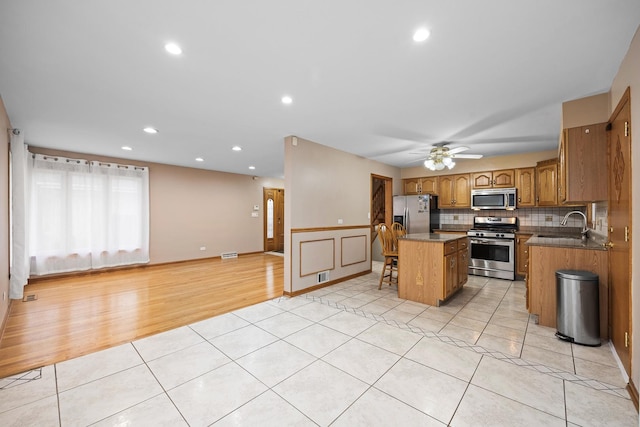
(578, 307)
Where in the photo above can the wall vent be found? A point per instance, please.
(229, 255)
(323, 277)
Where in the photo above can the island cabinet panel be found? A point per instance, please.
(430, 271)
(420, 271)
(544, 261)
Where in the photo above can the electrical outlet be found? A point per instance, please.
(548, 218)
(339, 220)
(203, 248)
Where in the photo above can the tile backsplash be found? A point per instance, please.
(533, 217)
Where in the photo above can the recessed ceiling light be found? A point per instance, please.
(421, 35)
(126, 148)
(236, 148)
(199, 159)
(252, 167)
(173, 48)
(150, 130)
(287, 99)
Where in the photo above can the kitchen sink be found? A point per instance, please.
(556, 236)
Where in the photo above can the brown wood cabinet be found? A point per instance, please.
(547, 183)
(522, 254)
(541, 280)
(454, 191)
(526, 187)
(429, 270)
(463, 262)
(493, 179)
(424, 185)
(582, 165)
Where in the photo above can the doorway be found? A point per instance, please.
(620, 230)
(273, 219)
(381, 209)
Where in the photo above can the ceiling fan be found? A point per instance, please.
(442, 156)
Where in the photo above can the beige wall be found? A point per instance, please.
(325, 185)
(193, 208)
(629, 76)
(586, 111)
(484, 164)
(5, 125)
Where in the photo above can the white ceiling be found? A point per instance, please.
(87, 76)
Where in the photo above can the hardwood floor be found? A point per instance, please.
(81, 314)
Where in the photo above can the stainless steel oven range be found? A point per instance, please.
(492, 247)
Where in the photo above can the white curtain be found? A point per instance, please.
(85, 215)
(19, 183)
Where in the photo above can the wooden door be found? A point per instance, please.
(482, 180)
(547, 183)
(522, 254)
(504, 178)
(412, 186)
(526, 187)
(445, 195)
(273, 219)
(462, 192)
(430, 185)
(620, 230)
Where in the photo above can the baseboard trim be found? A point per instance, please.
(633, 392)
(6, 317)
(36, 279)
(324, 285)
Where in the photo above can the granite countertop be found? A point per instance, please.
(564, 241)
(433, 237)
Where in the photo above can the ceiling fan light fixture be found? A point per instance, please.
(451, 165)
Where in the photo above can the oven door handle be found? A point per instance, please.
(497, 242)
(486, 242)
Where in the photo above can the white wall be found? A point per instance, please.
(323, 186)
(629, 76)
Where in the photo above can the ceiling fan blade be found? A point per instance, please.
(467, 156)
(458, 150)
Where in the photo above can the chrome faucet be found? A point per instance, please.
(585, 229)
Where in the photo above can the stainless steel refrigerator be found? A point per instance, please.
(419, 214)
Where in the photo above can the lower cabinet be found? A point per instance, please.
(430, 270)
(522, 254)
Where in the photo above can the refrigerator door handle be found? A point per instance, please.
(406, 219)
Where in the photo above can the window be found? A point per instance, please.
(85, 215)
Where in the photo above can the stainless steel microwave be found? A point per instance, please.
(493, 198)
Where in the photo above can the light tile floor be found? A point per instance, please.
(345, 355)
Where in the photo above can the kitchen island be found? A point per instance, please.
(432, 267)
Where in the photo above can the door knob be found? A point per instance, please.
(608, 245)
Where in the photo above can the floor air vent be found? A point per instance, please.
(323, 276)
(229, 255)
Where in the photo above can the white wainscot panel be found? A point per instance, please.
(316, 256)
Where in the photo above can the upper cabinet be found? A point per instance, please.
(583, 165)
(547, 183)
(454, 191)
(526, 187)
(494, 179)
(425, 185)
